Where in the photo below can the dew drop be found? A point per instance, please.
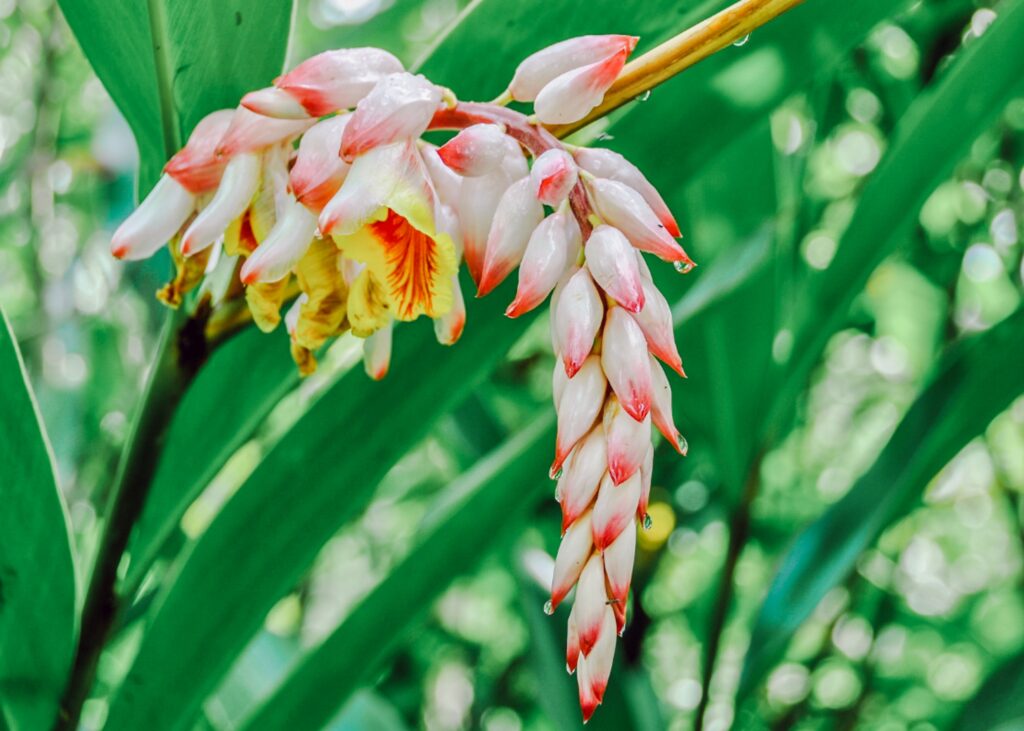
(683, 267)
(643, 97)
(742, 41)
(683, 446)
(605, 137)
(648, 521)
(548, 609)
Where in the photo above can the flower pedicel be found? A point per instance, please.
(369, 223)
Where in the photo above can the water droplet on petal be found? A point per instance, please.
(648, 521)
(548, 608)
(742, 41)
(643, 97)
(683, 446)
(683, 267)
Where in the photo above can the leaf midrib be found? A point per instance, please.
(164, 80)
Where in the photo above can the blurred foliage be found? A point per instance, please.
(766, 152)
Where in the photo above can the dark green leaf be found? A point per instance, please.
(38, 619)
(999, 703)
(498, 491)
(977, 380)
(229, 399)
(168, 64)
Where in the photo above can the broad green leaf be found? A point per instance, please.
(38, 618)
(999, 703)
(979, 378)
(228, 400)
(497, 492)
(168, 63)
(933, 134)
(315, 479)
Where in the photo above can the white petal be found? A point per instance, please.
(237, 187)
(517, 215)
(157, 219)
(626, 362)
(579, 408)
(578, 317)
(283, 247)
(613, 264)
(614, 509)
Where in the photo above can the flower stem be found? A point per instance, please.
(180, 351)
(681, 52)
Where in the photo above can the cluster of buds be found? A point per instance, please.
(320, 190)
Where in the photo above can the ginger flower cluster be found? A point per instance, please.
(338, 217)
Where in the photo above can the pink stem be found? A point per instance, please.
(518, 126)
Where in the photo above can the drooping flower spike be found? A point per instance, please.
(320, 190)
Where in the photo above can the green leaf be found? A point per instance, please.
(977, 380)
(169, 63)
(933, 134)
(499, 490)
(315, 479)
(38, 618)
(229, 399)
(999, 703)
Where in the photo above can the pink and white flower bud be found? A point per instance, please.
(615, 509)
(582, 475)
(237, 187)
(572, 645)
(579, 408)
(655, 319)
(377, 353)
(327, 82)
(517, 215)
(274, 102)
(628, 440)
(541, 68)
(197, 166)
(626, 362)
(571, 96)
(552, 176)
(447, 184)
(250, 132)
(399, 107)
(613, 264)
(476, 150)
(646, 477)
(618, 561)
(449, 326)
(588, 700)
(625, 209)
(318, 172)
(661, 405)
(590, 603)
(576, 546)
(577, 320)
(478, 200)
(553, 247)
(286, 243)
(157, 219)
(604, 163)
(602, 655)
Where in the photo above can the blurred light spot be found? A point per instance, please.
(283, 619)
(788, 130)
(998, 180)
(955, 675)
(349, 12)
(789, 684)
(819, 248)
(833, 482)
(858, 152)
(450, 698)
(539, 566)
(982, 263)
(971, 203)
(94, 714)
(692, 496)
(981, 20)
(836, 685)
(889, 357)
(6, 8)
(684, 694)
(663, 522)
(59, 175)
(782, 345)
(939, 213)
(753, 80)
(891, 645)
(500, 719)
(1004, 229)
(900, 56)
(852, 635)
(863, 105)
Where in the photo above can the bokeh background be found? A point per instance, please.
(763, 157)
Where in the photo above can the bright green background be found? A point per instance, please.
(849, 180)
